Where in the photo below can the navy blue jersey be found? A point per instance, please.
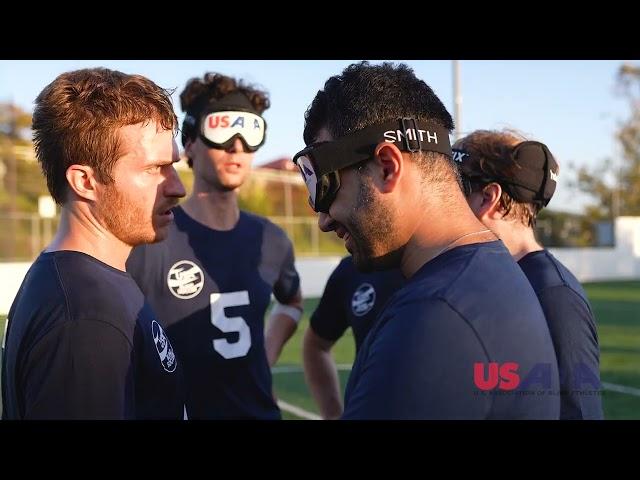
(211, 290)
(573, 331)
(353, 299)
(82, 343)
(465, 338)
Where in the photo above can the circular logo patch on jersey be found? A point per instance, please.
(185, 279)
(363, 299)
(164, 348)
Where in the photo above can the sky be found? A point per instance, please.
(570, 105)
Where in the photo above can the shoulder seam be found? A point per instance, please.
(475, 333)
(68, 309)
(64, 290)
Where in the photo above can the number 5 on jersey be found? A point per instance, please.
(220, 301)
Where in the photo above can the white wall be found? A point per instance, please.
(314, 272)
(617, 263)
(11, 276)
(587, 264)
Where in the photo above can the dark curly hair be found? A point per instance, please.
(364, 95)
(213, 86)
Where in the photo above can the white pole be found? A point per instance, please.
(457, 99)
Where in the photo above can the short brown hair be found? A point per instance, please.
(77, 117)
(489, 160)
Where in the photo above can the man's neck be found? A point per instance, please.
(79, 231)
(520, 240)
(435, 235)
(216, 209)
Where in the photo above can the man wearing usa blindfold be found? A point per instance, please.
(379, 170)
(212, 280)
(508, 180)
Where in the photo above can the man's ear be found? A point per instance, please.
(490, 206)
(82, 181)
(389, 164)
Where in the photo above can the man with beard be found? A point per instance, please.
(211, 281)
(455, 341)
(82, 343)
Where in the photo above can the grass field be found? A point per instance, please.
(617, 309)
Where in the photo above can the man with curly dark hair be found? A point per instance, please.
(212, 280)
(378, 166)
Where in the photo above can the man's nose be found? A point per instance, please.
(236, 147)
(173, 185)
(325, 222)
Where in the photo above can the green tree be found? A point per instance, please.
(15, 124)
(21, 182)
(20, 176)
(616, 188)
